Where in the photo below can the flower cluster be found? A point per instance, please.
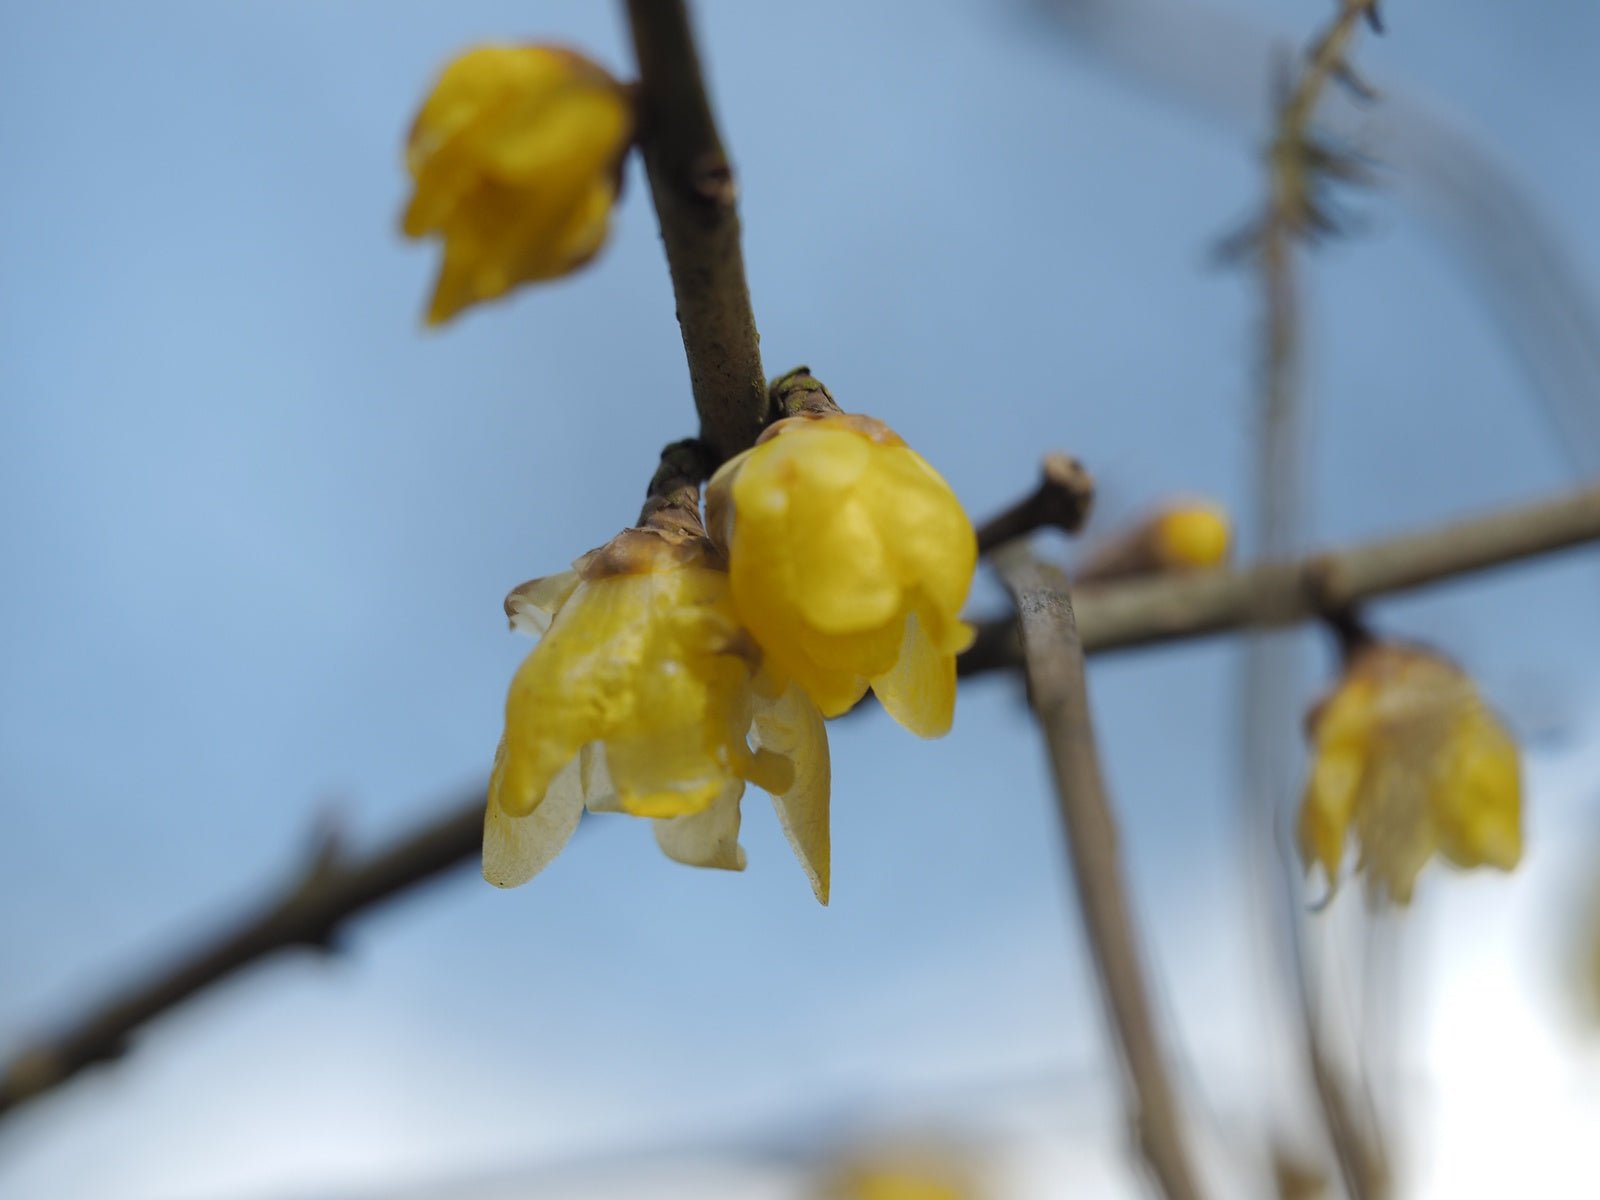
(1407, 756)
(675, 667)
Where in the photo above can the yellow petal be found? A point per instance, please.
(1477, 797)
(919, 691)
(792, 727)
(931, 538)
(709, 838)
(1328, 808)
(515, 849)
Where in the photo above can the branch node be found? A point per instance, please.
(1063, 500)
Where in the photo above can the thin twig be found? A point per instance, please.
(331, 889)
(1298, 169)
(1149, 612)
(692, 184)
(1053, 661)
(1118, 616)
(1062, 500)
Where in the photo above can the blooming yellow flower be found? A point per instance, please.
(516, 156)
(1406, 753)
(850, 559)
(644, 696)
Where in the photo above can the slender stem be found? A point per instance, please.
(692, 185)
(1053, 661)
(1294, 165)
(1062, 500)
(1137, 613)
(1149, 612)
(310, 913)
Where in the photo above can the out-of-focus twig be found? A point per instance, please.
(1062, 500)
(1053, 662)
(1148, 612)
(1298, 170)
(692, 185)
(331, 889)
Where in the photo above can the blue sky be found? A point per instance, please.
(259, 524)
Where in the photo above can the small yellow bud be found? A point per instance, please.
(1407, 756)
(850, 560)
(1192, 535)
(1184, 535)
(516, 156)
(645, 696)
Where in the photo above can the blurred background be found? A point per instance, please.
(257, 525)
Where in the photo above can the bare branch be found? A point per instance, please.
(692, 184)
(1063, 499)
(310, 914)
(332, 889)
(1053, 661)
(1147, 612)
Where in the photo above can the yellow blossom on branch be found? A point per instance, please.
(644, 696)
(850, 561)
(1406, 755)
(516, 157)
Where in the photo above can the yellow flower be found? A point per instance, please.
(516, 156)
(644, 696)
(1406, 753)
(850, 559)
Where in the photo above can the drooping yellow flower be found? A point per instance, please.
(516, 156)
(645, 696)
(1407, 756)
(1183, 535)
(850, 559)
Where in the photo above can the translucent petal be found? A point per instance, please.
(709, 838)
(515, 849)
(792, 727)
(920, 690)
(599, 793)
(532, 605)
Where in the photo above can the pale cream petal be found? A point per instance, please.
(792, 727)
(515, 849)
(919, 691)
(709, 838)
(599, 793)
(532, 606)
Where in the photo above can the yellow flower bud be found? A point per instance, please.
(644, 696)
(516, 156)
(1183, 535)
(1192, 535)
(1407, 756)
(850, 559)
